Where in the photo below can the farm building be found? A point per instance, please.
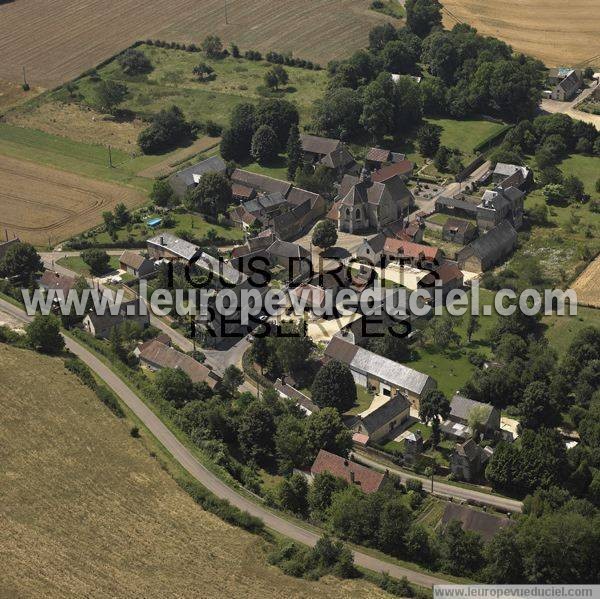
(101, 325)
(328, 152)
(378, 423)
(461, 407)
(366, 479)
(459, 231)
(377, 157)
(402, 168)
(510, 175)
(457, 206)
(488, 250)
(156, 355)
(565, 83)
(258, 183)
(186, 179)
(135, 264)
(385, 376)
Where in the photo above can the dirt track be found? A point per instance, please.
(41, 204)
(56, 40)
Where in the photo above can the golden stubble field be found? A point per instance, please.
(44, 206)
(86, 512)
(586, 285)
(557, 32)
(56, 40)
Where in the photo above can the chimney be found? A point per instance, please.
(162, 240)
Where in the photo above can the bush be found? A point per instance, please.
(109, 399)
(135, 432)
(134, 62)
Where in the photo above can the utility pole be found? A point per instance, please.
(25, 84)
(226, 20)
(110, 164)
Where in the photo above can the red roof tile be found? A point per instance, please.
(403, 168)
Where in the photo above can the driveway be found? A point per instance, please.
(569, 108)
(209, 480)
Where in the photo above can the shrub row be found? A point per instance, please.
(492, 140)
(291, 61)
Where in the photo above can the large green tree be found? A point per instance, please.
(325, 234)
(334, 387)
(212, 195)
(22, 260)
(433, 407)
(43, 334)
(264, 147)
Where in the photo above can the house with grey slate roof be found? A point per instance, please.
(490, 249)
(186, 179)
(461, 407)
(384, 376)
(378, 423)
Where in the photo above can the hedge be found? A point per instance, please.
(492, 139)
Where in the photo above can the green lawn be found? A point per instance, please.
(192, 222)
(364, 399)
(561, 330)
(465, 134)
(236, 80)
(451, 367)
(76, 264)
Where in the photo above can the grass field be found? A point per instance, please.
(318, 30)
(88, 512)
(555, 32)
(44, 206)
(76, 264)
(465, 134)
(560, 330)
(172, 82)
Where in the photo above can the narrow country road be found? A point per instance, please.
(446, 490)
(207, 478)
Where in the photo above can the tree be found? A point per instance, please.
(294, 152)
(377, 113)
(276, 76)
(265, 146)
(122, 215)
(326, 430)
(162, 193)
(334, 387)
(434, 406)
(108, 95)
(473, 325)
(293, 494)
(442, 156)
(203, 71)
(324, 486)
(538, 408)
(290, 443)
(390, 346)
(260, 351)
(174, 385)
(212, 46)
(212, 195)
(441, 332)
(423, 15)
(43, 334)
(476, 420)
(325, 234)
(380, 35)
(461, 551)
(97, 259)
(236, 140)
(321, 180)
(455, 164)
(394, 520)
(278, 114)
(293, 349)
(504, 562)
(256, 431)
(573, 187)
(402, 54)
(232, 378)
(168, 128)
(554, 193)
(338, 112)
(21, 260)
(134, 62)
(428, 139)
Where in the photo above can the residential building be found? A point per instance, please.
(391, 249)
(488, 250)
(156, 356)
(51, 279)
(258, 183)
(474, 520)
(302, 401)
(511, 175)
(458, 206)
(378, 157)
(366, 479)
(384, 376)
(328, 152)
(457, 230)
(291, 256)
(447, 276)
(500, 204)
(402, 168)
(457, 424)
(135, 264)
(187, 179)
(468, 460)
(161, 338)
(168, 246)
(378, 423)
(564, 83)
(101, 325)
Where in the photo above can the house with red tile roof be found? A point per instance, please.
(366, 479)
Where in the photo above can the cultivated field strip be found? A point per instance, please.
(58, 39)
(557, 32)
(40, 204)
(586, 286)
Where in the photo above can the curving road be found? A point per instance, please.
(207, 478)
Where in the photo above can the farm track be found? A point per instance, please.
(56, 40)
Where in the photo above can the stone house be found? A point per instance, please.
(490, 249)
(457, 230)
(468, 460)
(377, 424)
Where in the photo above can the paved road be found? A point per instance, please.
(447, 490)
(207, 478)
(569, 108)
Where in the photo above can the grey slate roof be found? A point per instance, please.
(487, 525)
(367, 362)
(292, 393)
(286, 249)
(319, 145)
(175, 245)
(189, 176)
(446, 202)
(495, 242)
(260, 182)
(264, 202)
(460, 407)
(384, 413)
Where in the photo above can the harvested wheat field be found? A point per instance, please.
(586, 285)
(558, 33)
(45, 206)
(56, 40)
(86, 512)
